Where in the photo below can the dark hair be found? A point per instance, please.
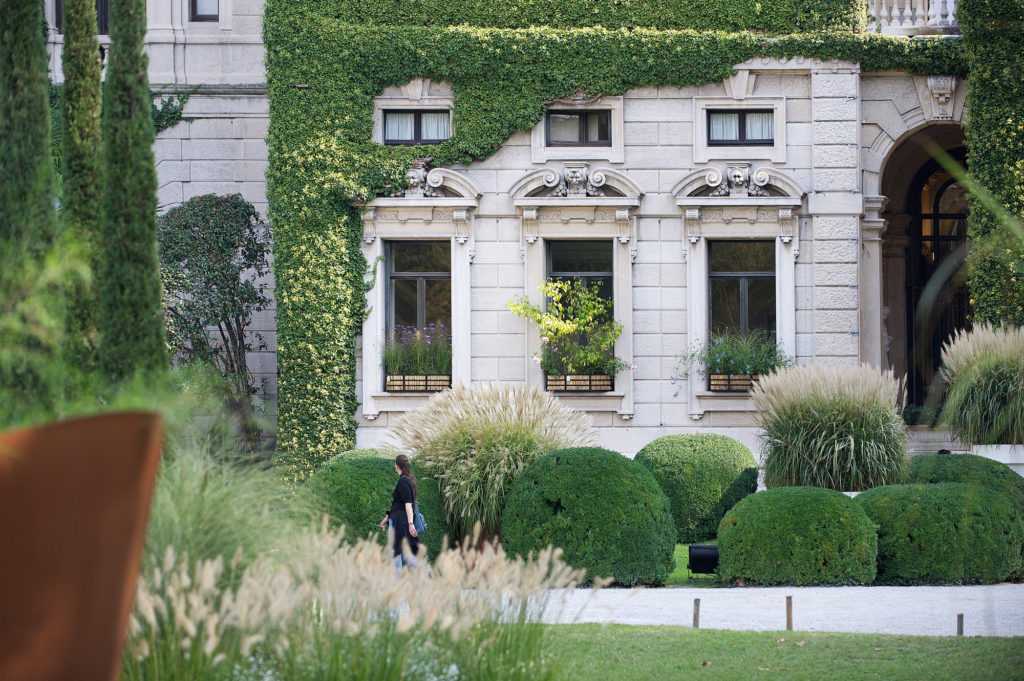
(404, 465)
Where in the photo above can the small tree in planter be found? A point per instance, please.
(733, 361)
(578, 333)
(418, 360)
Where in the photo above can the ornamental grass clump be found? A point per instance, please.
(419, 352)
(984, 368)
(476, 441)
(838, 428)
(338, 610)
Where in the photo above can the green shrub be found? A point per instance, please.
(984, 368)
(476, 441)
(754, 353)
(355, 488)
(838, 428)
(703, 476)
(971, 469)
(949, 533)
(604, 511)
(798, 536)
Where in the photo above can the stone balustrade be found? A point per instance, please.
(912, 17)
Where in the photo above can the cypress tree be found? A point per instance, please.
(28, 227)
(82, 188)
(27, 220)
(130, 315)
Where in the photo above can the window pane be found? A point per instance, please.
(759, 125)
(399, 126)
(421, 256)
(404, 301)
(597, 126)
(563, 128)
(435, 125)
(439, 307)
(725, 127)
(761, 305)
(577, 257)
(725, 306)
(742, 256)
(206, 8)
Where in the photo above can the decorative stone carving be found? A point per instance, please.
(575, 181)
(737, 181)
(942, 90)
(417, 180)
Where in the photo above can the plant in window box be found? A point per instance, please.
(418, 359)
(733, 361)
(578, 333)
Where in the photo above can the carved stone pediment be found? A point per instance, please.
(737, 181)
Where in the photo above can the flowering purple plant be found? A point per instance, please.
(419, 351)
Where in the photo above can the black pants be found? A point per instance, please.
(402, 536)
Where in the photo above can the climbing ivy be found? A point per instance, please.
(327, 61)
(995, 140)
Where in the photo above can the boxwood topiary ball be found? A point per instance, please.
(354, 489)
(968, 468)
(798, 536)
(948, 533)
(605, 512)
(703, 475)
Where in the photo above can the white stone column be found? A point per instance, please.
(872, 321)
(836, 205)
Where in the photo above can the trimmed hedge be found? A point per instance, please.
(971, 469)
(949, 533)
(355, 488)
(606, 512)
(797, 536)
(780, 16)
(703, 476)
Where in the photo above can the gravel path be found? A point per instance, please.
(924, 610)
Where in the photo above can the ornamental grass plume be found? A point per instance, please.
(476, 441)
(339, 610)
(833, 427)
(984, 369)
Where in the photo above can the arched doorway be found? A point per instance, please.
(924, 249)
(938, 302)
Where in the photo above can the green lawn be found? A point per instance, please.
(682, 576)
(623, 653)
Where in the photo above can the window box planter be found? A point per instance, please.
(731, 383)
(401, 383)
(579, 383)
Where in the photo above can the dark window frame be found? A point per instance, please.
(417, 127)
(742, 141)
(587, 277)
(580, 115)
(102, 16)
(195, 16)
(420, 278)
(744, 277)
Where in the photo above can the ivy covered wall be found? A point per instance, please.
(324, 71)
(995, 138)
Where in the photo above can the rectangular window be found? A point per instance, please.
(590, 261)
(742, 286)
(204, 10)
(579, 128)
(416, 127)
(102, 16)
(741, 127)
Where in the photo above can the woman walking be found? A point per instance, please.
(401, 515)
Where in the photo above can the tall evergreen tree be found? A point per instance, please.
(130, 315)
(82, 188)
(29, 307)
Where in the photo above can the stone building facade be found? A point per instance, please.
(820, 168)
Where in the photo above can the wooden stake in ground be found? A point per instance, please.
(789, 613)
(696, 613)
(960, 624)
